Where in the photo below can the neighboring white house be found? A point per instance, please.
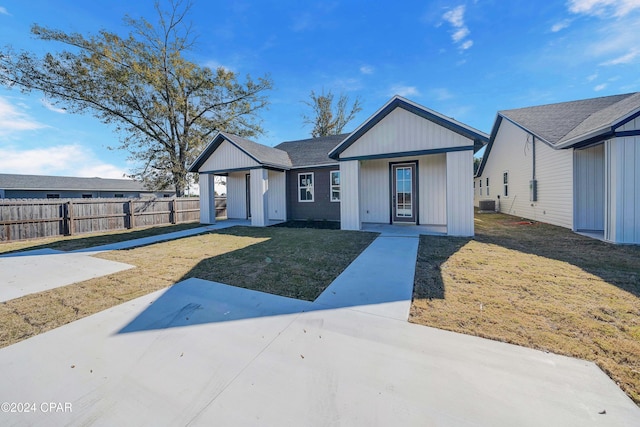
(573, 164)
(405, 164)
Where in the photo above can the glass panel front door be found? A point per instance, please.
(403, 196)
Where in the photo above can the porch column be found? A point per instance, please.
(207, 199)
(350, 195)
(259, 197)
(460, 193)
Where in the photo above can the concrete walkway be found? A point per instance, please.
(204, 353)
(29, 272)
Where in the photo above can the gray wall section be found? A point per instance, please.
(322, 208)
(38, 194)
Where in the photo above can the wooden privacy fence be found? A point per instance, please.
(34, 218)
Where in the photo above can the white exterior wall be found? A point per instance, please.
(459, 171)
(554, 172)
(622, 222)
(350, 197)
(237, 195)
(277, 196)
(227, 157)
(259, 197)
(375, 204)
(589, 188)
(432, 188)
(402, 131)
(207, 200)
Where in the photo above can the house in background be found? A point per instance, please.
(62, 187)
(573, 164)
(406, 164)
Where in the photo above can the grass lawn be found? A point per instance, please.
(538, 286)
(83, 241)
(298, 263)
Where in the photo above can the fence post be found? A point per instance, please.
(174, 213)
(132, 216)
(69, 218)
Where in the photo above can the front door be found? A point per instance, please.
(403, 192)
(248, 186)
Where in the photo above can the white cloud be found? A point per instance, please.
(624, 59)
(70, 160)
(49, 106)
(592, 77)
(603, 8)
(3, 11)
(366, 69)
(455, 17)
(559, 26)
(13, 120)
(441, 94)
(600, 87)
(404, 91)
(214, 65)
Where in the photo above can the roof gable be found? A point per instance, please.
(479, 138)
(261, 154)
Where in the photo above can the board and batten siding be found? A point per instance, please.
(277, 196)
(432, 187)
(237, 195)
(375, 203)
(512, 152)
(403, 131)
(622, 169)
(459, 170)
(589, 189)
(207, 199)
(259, 194)
(228, 157)
(350, 195)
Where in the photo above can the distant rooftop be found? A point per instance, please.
(68, 183)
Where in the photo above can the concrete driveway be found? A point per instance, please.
(204, 353)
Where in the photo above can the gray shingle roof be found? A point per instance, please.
(565, 122)
(262, 153)
(313, 151)
(42, 182)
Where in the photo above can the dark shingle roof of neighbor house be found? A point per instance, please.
(568, 123)
(313, 151)
(45, 182)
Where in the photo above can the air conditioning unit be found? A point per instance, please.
(487, 205)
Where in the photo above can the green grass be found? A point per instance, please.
(539, 286)
(288, 262)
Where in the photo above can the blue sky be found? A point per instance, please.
(464, 59)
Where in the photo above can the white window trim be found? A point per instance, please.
(331, 186)
(313, 183)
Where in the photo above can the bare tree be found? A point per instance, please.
(327, 119)
(164, 107)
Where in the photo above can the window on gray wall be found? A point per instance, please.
(335, 186)
(53, 196)
(87, 196)
(305, 187)
(119, 196)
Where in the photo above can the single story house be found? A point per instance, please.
(406, 164)
(14, 186)
(573, 164)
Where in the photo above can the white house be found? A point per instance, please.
(406, 164)
(573, 164)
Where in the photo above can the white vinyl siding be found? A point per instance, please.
(589, 188)
(375, 204)
(207, 201)
(334, 186)
(259, 181)
(277, 196)
(350, 203)
(432, 189)
(237, 195)
(305, 187)
(512, 151)
(622, 224)
(460, 193)
(227, 157)
(402, 131)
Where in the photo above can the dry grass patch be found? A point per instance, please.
(83, 241)
(295, 263)
(538, 286)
